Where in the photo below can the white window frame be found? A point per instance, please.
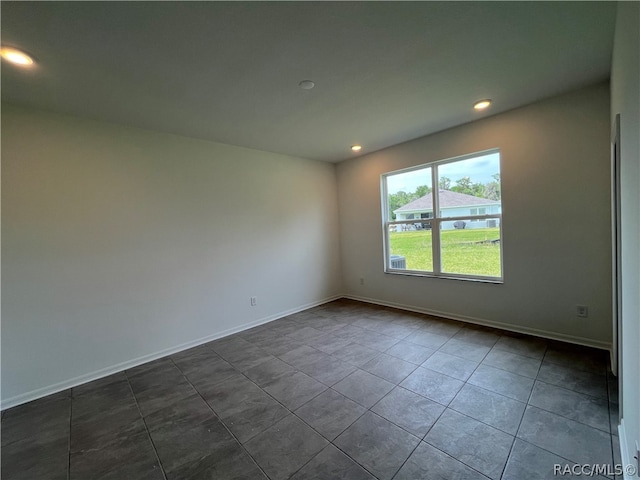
(435, 221)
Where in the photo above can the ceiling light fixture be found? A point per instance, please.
(482, 104)
(16, 56)
(356, 148)
(306, 84)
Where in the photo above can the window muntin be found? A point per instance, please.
(464, 239)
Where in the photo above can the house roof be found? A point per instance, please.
(448, 199)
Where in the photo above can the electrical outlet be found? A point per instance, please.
(582, 311)
(254, 301)
(361, 281)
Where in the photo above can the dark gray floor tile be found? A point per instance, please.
(294, 389)
(447, 328)
(189, 411)
(567, 438)
(390, 368)
(228, 462)
(326, 325)
(433, 385)
(363, 388)
(377, 444)
(375, 340)
(240, 353)
(427, 339)
(200, 350)
(133, 457)
(200, 360)
(306, 334)
(163, 395)
(260, 335)
(429, 463)
(177, 446)
(269, 371)
(414, 413)
(450, 365)
(285, 447)
(284, 326)
(526, 346)
(577, 357)
(393, 329)
(328, 370)
(245, 408)
(45, 420)
(110, 397)
(491, 408)
(577, 380)
(332, 464)
(350, 331)
(368, 322)
(514, 363)
(593, 411)
(356, 354)
(408, 319)
(475, 444)
(530, 462)
(502, 382)
(477, 334)
(279, 346)
(617, 457)
(614, 418)
(41, 459)
(205, 379)
(99, 384)
(163, 362)
(330, 413)
(100, 430)
(469, 351)
(303, 356)
(410, 352)
(328, 343)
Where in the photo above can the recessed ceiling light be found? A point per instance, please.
(306, 84)
(482, 104)
(356, 148)
(16, 57)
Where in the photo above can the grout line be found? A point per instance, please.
(220, 418)
(146, 428)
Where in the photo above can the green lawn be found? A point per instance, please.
(462, 251)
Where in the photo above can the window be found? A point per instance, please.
(464, 238)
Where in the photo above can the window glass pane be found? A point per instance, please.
(409, 194)
(410, 247)
(470, 187)
(471, 248)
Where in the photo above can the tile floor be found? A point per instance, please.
(346, 390)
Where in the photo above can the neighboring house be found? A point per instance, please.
(452, 204)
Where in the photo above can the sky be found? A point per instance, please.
(478, 169)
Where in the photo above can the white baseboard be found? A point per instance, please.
(489, 323)
(104, 372)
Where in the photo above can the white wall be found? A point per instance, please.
(625, 100)
(120, 244)
(556, 221)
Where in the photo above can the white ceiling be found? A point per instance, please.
(385, 72)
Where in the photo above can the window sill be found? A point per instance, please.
(409, 273)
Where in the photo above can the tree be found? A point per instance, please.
(492, 189)
(444, 183)
(422, 190)
(466, 186)
(397, 200)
